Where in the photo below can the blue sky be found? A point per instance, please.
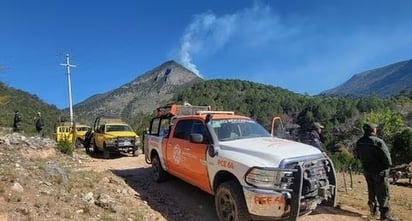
(302, 46)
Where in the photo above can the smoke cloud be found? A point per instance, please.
(209, 33)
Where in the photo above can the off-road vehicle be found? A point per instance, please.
(251, 173)
(110, 134)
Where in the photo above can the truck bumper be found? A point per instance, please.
(266, 204)
(289, 204)
(120, 148)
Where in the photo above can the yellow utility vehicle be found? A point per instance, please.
(63, 132)
(81, 130)
(110, 134)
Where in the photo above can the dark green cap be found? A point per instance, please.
(369, 126)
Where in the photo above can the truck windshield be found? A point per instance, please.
(82, 128)
(111, 128)
(233, 129)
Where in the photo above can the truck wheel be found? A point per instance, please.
(331, 174)
(159, 174)
(106, 152)
(95, 148)
(230, 202)
(135, 151)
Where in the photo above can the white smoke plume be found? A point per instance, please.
(209, 33)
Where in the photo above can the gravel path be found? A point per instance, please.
(175, 200)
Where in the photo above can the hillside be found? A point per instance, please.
(140, 96)
(28, 105)
(259, 101)
(385, 81)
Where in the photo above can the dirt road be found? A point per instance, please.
(176, 200)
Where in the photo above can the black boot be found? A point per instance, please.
(374, 210)
(386, 214)
(389, 218)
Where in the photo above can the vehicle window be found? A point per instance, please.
(111, 128)
(233, 129)
(183, 129)
(199, 128)
(155, 126)
(82, 129)
(101, 129)
(164, 127)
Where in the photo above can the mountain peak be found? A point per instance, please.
(142, 95)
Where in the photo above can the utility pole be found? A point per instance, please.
(69, 85)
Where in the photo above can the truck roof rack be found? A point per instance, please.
(179, 110)
(216, 112)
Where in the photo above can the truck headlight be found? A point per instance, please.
(269, 178)
(110, 141)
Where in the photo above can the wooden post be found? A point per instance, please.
(350, 176)
(344, 182)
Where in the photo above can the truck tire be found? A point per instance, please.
(135, 151)
(95, 148)
(159, 174)
(230, 202)
(106, 152)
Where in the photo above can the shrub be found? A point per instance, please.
(401, 151)
(341, 160)
(65, 147)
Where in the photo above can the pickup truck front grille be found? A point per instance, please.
(125, 141)
(314, 176)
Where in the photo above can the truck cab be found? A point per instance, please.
(251, 173)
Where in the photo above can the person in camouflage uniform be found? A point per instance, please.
(39, 124)
(314, 136)
(376, 161)
(17, 121)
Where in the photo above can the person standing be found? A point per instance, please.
(39, 123)
(314, 137)
(17, 121)
(376, 161)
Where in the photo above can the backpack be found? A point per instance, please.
(39, 124)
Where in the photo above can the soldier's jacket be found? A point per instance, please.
(373, 153)
(313, 138)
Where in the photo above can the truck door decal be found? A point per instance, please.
(177, 154)
(225, 163)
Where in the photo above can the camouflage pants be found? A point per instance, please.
(378, 192)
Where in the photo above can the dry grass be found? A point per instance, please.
(50, 197)
(356, 197)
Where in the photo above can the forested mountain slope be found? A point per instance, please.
(28, 105)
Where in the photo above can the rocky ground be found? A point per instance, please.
(39, 183)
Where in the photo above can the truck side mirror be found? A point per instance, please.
(211, 150)
(196, 138)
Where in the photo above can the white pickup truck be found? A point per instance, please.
(252, 174)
